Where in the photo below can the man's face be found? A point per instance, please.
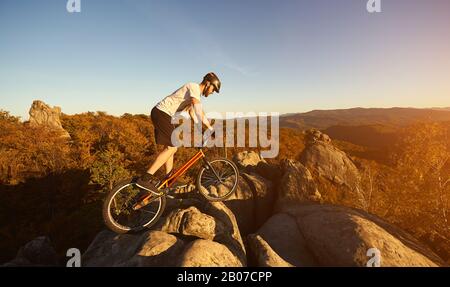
(209, 91)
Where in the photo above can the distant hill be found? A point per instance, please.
(374, 136)
(441, 109)
(390, 117)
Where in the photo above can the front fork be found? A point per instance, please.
(147, 198)
(208, 166)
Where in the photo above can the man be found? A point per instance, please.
(186, 98)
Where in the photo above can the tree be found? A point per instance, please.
(109, 168)
(421, 181)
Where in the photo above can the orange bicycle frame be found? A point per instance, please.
(168, 182)
(171, 180)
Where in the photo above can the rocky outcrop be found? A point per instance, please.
(247, 159)
(283, 240)
(42, 114)
(252, 162)
(327, 235)
(328, 161)
(200, 253)
(264, 254)
(38, 252)
(296, 186)
(264, 196)
(193, 233)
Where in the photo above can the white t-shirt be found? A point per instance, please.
(180, 99)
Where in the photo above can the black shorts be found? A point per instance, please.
(163, 127)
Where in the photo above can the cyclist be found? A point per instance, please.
(186, 98)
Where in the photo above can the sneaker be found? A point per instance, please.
(148, 182)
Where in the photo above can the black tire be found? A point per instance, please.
(205, 190)
(117, 227)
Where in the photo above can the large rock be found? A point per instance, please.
(297, 186)
(151, 248)
(203, 252)
(192, 222)
(42, 114)
(328, 162)
(252, 162)
(178, 239)
(263, 198)
(247, 159)
(328, 235)
(242, 205)
(264, 255)
(38, 252)
(283, 239)
(252, 202)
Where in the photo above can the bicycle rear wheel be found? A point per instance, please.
(218, 180)
(118, 212)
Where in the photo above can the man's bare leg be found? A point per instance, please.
(169, 164)
(162, 158)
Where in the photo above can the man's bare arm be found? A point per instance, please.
(192, 114)
(200, 113)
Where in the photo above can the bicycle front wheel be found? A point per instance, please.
(218, 179)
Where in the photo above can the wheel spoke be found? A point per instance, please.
(143, 210)
(210, 176)
(226, 174)
(115, 204)
(209, 182)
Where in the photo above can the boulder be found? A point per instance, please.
(264, 196)
(282, 235)
(247, 159)
(327, 161)
(265, 256)
(182, 232)
(38, 252)
(339, 236)
(242, 205)
(296, 186)
(252, 162)
(201, 253)
(42, 114)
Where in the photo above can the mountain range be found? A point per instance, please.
(389, 117)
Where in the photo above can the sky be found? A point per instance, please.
(272, 56)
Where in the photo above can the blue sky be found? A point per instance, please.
(285, 56)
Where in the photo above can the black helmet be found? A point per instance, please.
(212, 79)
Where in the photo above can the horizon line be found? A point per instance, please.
(436, 108)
